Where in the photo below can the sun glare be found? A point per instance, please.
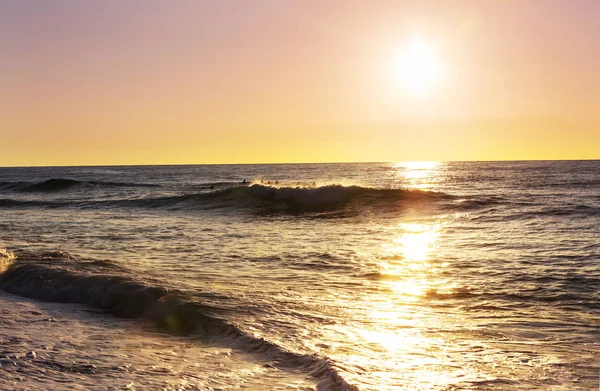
(418, 68)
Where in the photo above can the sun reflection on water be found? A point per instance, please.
(419, 175)
(406, 265)
(400, 332)
(397, 326)
(415, 242)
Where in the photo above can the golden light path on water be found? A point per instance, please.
(398, 329)
(419, 175)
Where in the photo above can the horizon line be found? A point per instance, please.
(298, 163)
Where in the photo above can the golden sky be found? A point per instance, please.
(191, 81)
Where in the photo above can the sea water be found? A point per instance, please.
(381, 276)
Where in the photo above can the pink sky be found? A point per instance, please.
(136, 82)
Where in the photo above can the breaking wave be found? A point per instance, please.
(289, 199)
(255, 197)
(59, 277)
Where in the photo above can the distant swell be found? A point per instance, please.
(51, 185)
(61, 184)
(103, 285)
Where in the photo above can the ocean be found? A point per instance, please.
(371, 276)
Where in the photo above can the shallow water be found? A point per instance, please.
(410, 276)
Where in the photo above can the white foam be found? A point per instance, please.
(48, 346)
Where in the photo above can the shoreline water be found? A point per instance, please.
(101, 352)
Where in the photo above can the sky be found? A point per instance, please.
(268, 81)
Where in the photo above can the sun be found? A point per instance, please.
(418, 68)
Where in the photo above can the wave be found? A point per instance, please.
(570, 184)
(59, 277)
(580, 299)
(12, 203)
(336, 194)
(566, 290)
(55, 184)
(475, 203)
(264, 199)
(567, 210)
(574, 211)
(290, 199)
(61, 184)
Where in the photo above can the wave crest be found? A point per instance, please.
(342, 200)
(333, 195)
(6, 259)
(289, 199)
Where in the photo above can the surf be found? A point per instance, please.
(105, 285)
